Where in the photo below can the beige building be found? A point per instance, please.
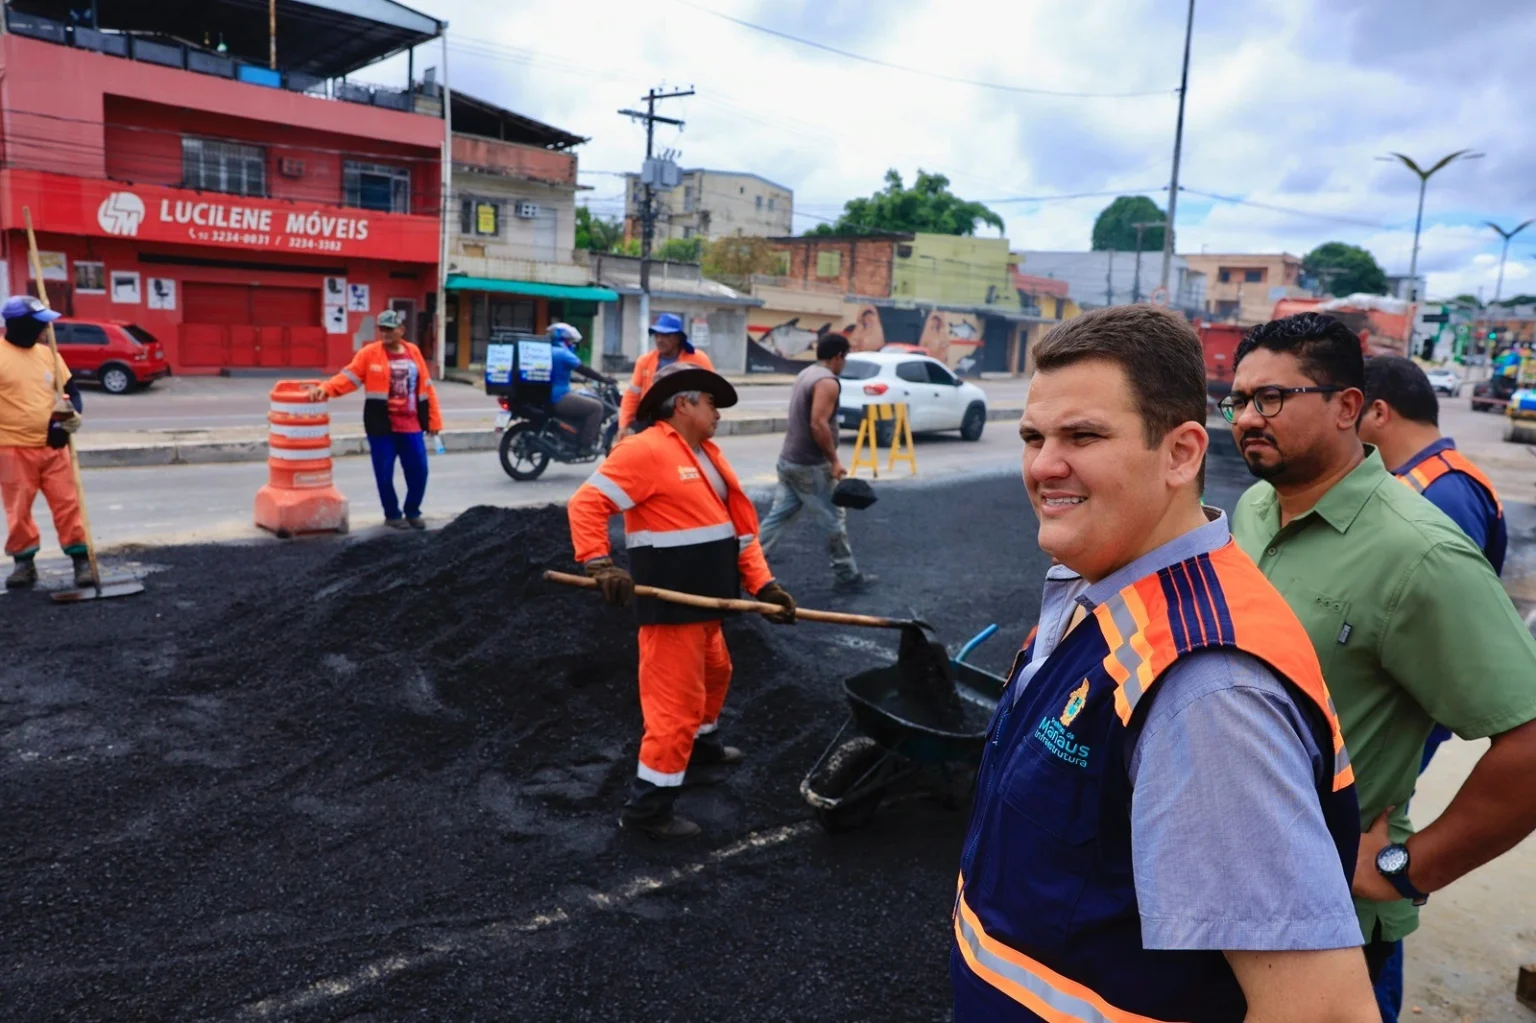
(713, 204)
(1244, 287)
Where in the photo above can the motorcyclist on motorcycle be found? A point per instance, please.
(581, 410)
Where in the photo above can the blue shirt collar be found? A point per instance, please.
(1212, 536)
(1443, 444)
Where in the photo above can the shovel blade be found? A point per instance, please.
(109, 588)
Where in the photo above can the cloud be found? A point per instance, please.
(1290, 104)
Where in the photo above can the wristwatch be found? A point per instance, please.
(1392, 864)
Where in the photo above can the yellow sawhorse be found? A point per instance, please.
(902, 449)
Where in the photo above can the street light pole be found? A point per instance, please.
(1498, 290)
(1178, 145)
(1418, 221)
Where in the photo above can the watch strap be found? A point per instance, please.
(1406, 889)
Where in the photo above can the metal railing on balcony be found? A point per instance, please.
(175, 54)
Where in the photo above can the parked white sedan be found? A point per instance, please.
(936, 399)
(1444, 381)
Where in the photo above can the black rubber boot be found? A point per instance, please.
(708, 751)
(649, 811)
(83, 575)
(23, 576)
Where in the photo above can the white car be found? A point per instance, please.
(936, 399)
(1444, 381)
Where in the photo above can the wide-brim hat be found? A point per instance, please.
(680, 377)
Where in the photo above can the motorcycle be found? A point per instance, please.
(532, 435)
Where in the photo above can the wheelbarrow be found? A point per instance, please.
(880, 744)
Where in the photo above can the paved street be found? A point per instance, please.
(206, 403)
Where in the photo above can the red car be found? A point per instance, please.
(118, 355)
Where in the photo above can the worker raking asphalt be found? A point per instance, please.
(291, 763)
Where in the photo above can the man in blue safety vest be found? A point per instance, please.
(1165, 824)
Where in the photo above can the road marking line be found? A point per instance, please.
(481, 939)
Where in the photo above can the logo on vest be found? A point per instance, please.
(687, 472)
(1053, 735)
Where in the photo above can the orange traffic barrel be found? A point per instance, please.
(300, 495)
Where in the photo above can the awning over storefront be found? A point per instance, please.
(459, 282)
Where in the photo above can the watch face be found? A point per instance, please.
(1392, 860)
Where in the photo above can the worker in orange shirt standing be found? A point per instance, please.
(688, 526)
(672, 346)
(35, 424)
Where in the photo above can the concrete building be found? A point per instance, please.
(1244, 287)
(1100, 278)
(245, 216)
(712, 204)
(512, 262)
(1397, 287)
(716, 314)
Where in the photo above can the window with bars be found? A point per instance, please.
(375, 186)
(212, 166)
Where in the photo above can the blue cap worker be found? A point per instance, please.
(672, 345)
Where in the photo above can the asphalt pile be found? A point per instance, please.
(293, 762)
(927, 686)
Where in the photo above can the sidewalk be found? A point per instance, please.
(139, 448)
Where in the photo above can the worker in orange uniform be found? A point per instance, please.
(35, 424)
(672, 346)
(688, 526)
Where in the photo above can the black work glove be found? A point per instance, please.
(58, 437)
(616, 584)
(773, 593)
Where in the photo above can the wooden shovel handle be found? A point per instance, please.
(730, 604)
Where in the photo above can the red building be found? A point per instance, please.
(245, 216)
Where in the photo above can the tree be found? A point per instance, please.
(735, 259)
(1517, 300)
(1115, 227)
(1467, 300)
(595, 233)
(1344, 269)
(928, 205)
(679, 250)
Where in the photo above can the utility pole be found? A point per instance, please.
(1141, 226)
(1178, 146)
(1498, 290)
(1109, 279)
(648, 210)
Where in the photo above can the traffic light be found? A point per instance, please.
(1493, 335)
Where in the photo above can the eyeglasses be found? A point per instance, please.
(1267, 401)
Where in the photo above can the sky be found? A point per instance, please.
(1290, 104)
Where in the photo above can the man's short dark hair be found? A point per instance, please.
(831, 346)
(1328, 350)
(1158, 350)
(1403, 386)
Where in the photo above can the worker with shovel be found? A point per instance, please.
(35, 426)
(688, 526)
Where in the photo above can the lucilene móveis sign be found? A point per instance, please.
(69, 205)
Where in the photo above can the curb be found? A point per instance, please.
(224, 452)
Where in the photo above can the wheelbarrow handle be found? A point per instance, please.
(733, 604)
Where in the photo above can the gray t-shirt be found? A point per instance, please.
(1228, 841)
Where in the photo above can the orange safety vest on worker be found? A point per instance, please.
(369, 369)
(682, 536)
(645, 371)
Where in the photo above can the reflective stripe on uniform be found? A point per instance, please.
(633, 389)
(745, 540)
(299, 454)
(661, 780)
(707, 727)
(293, 408)
(1130, 657)
(380, 395)
(357, 381)
(611, 490)
(299, 432)
(1038, 988)
(680, 537)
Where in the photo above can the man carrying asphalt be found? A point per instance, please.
(688, 526)
(1409, 622)
(672, 345)
(1402, 420)
(35, 425)
(808, 464)
(1165, 818)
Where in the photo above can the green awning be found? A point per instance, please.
(583, 293)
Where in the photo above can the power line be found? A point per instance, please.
(1313, 214)
(877, 62)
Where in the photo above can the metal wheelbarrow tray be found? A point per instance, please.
(889, 742)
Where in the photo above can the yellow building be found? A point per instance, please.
(955, 270)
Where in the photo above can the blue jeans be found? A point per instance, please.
(810, 487)
(411, 450)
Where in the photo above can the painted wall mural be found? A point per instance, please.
(788, 346)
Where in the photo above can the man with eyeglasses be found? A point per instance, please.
(1410, 624)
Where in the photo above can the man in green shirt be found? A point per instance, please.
(1410, 623)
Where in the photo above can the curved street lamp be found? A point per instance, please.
(1498, 289)
(1418, 221)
